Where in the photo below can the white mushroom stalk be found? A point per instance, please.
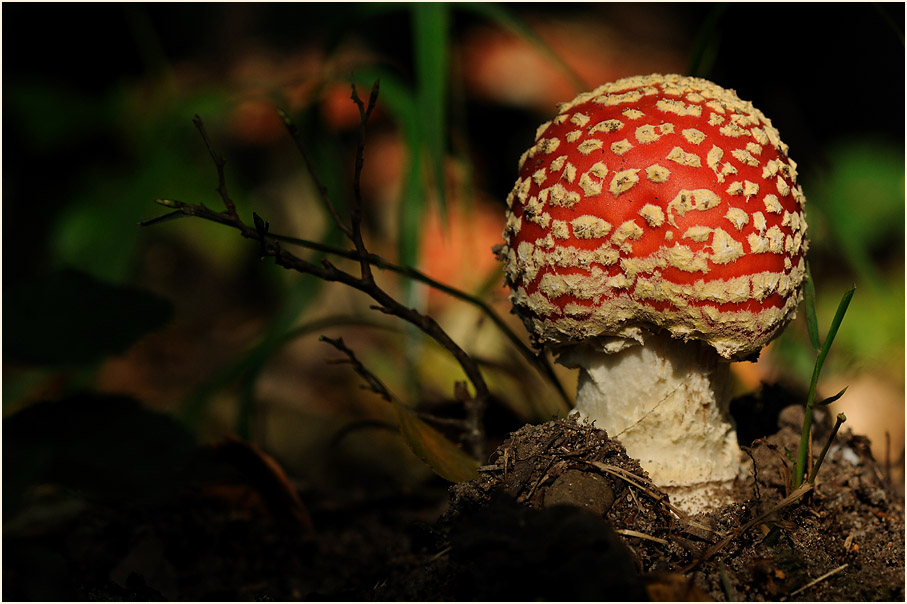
(667, 402)
(656, 233)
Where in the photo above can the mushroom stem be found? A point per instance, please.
(667, 402)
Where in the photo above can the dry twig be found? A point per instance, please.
(372, 382)
(365, 282)
(790, 499)
(818, 580)
(638, 535)
(642, 484)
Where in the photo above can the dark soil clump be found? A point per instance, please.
(558, 513)
(842, 541)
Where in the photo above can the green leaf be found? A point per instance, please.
(69, 317)
(445, 458)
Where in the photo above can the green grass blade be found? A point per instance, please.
(707, 43)
(431, 22)
(812, 321)
(835, 324)
(802, 453)
(827, 401)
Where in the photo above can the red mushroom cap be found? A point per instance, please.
(656, 202)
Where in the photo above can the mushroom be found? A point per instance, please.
(654, 235)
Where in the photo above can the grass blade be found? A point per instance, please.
(707, 43)
(802, 453)
(431, 25)
(812, 321)
(827, 401)
(836, 322)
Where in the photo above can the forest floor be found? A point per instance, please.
(558, 513)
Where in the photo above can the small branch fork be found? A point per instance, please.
(374, 384)
(270, 247)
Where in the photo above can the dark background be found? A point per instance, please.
(822, 72)
(128, 350)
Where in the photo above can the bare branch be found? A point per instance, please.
(475, 406)
(322, 189)
(356, 212)
(374, 384)
(219, 163)
(540, 362)
(371, 380)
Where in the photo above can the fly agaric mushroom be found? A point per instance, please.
(656, 233)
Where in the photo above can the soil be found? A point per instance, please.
(851, 525)
(559, 512)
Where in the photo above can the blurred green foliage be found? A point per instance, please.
(143, 146)
(855, 209)
(149, 150)
(860, 197)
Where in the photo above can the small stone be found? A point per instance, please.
(580, 489)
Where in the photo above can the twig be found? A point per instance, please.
(539, 361)
(632, 533)
(364, 113)
(749, 452)
(328, 272)
(793, 497)
(834, 431)
(822, 578)
(219, 163)
(322, 189)
(372, 382)
(356, 211)
(183, 209)
(475, 407)
(642, 484)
